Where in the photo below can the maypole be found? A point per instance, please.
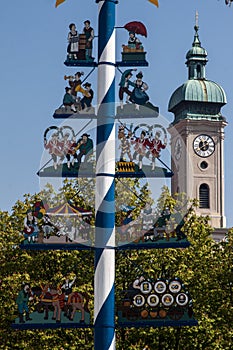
(155, 302)
(104, 312)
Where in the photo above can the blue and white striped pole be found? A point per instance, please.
(104, 312)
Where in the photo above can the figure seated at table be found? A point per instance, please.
(134, 44)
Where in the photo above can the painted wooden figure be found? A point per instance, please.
(125, 146)
(155, 146)
(31, 229)
(124, 85)
(73, 39)
(89, 33)
(22, 300)
(54, 146)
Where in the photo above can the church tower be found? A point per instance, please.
(197, 137)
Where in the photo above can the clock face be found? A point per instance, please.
(178, 148)
(203, 145)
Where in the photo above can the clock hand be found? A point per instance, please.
(205, 143)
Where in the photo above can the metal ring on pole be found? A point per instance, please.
(114, 1)
(108, 63)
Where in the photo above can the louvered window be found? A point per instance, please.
(204, 196)
(198, 71)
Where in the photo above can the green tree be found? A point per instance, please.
(205, 268)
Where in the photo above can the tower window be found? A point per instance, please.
(198, 71)
(204, 165)
(204, 196)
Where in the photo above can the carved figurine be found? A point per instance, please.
(87, 97)
(69, 100)
(139, 95)
(134, 42)
(48, 227)
(55, 149)
(80, 45)
(147, 216)
(124, 144)
(75, 83)
(89, 33)
(67, 289)
(124, 85)
(155, 145)
(134, 51)
(22, 300)
(73, 39)
(85, 147)
(53, 300)
(31, 229)
(140, 144)
(72, 102)
(68, 149)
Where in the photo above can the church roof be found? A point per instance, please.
(197, 52)
(197, 88)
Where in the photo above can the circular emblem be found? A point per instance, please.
(167, 300)
(174, 286)
(138, 300)
(145, 287)
(153, 300)
(182, 299)
(160, 287)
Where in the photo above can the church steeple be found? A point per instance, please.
(197, 137)
(196, 57)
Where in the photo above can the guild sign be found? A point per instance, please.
(160, 302)
(52, 306)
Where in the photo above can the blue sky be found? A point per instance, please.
(33, 48)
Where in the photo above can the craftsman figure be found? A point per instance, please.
(88, 97)
(69, 100)
(89, 32)
(22, 301)
(124, 85)
(85, 147)
(134, 42)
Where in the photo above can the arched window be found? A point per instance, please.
(198, 71)
(204, 196)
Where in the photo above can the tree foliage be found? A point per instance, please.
(205, 268)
